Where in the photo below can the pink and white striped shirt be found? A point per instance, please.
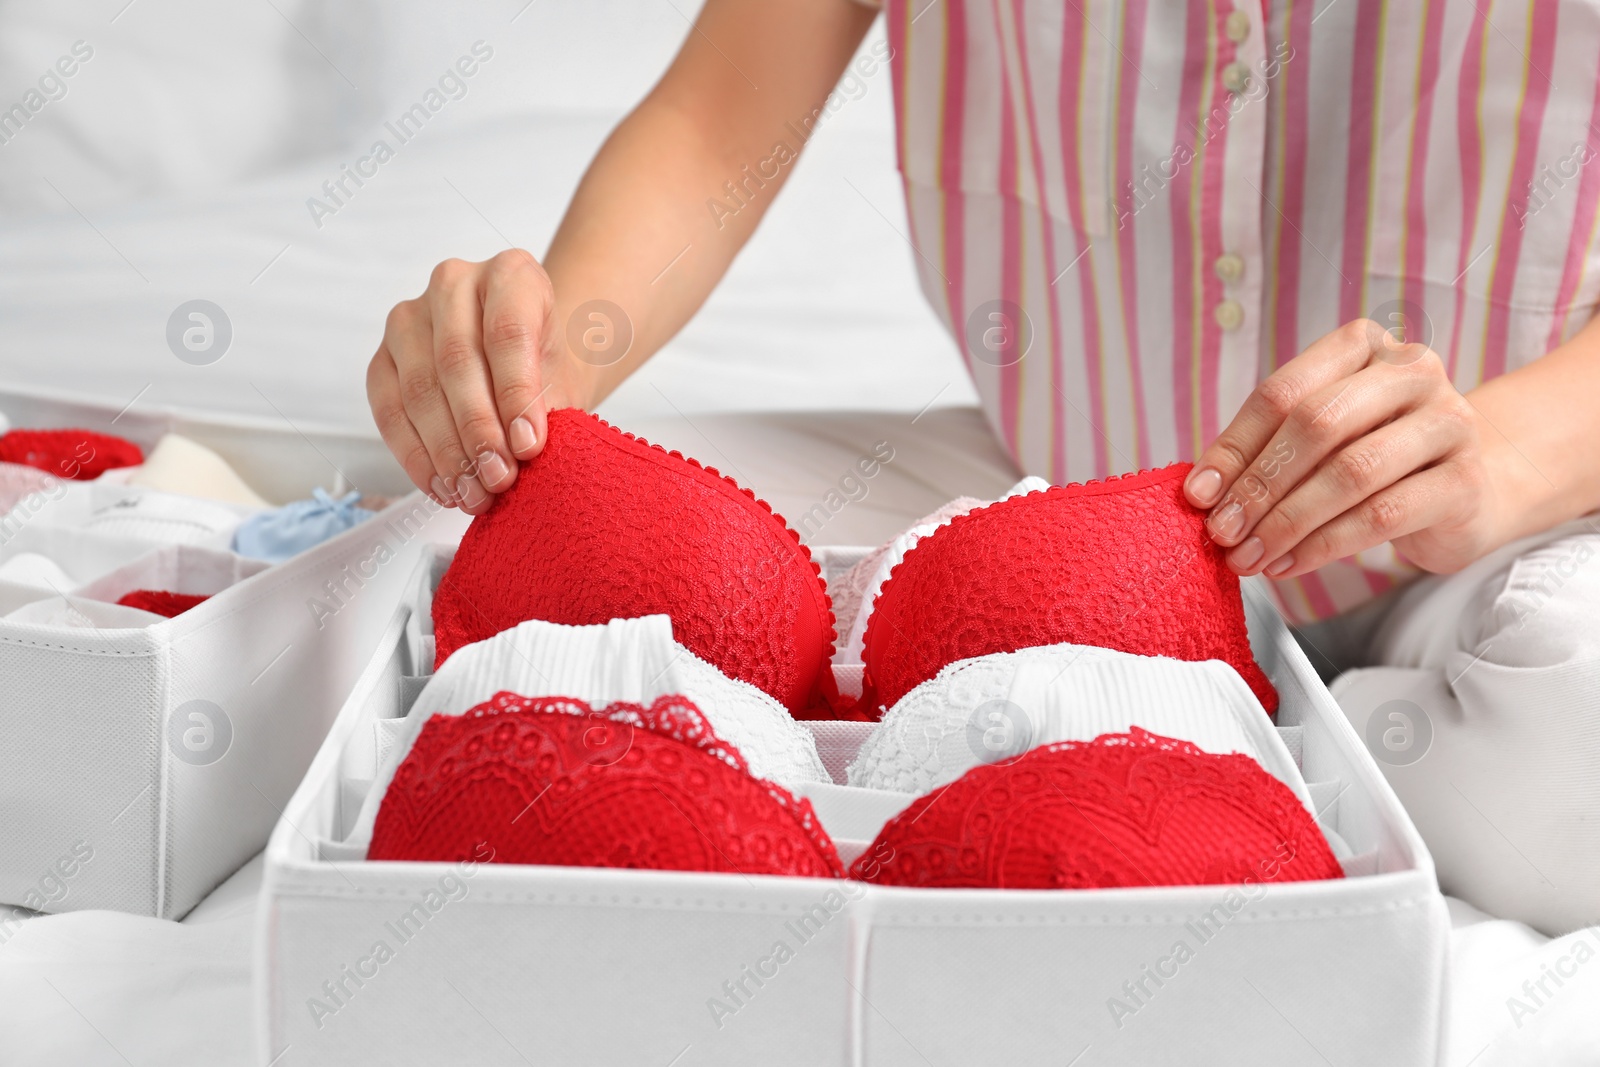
(1130, 212)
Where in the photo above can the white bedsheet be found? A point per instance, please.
(98, 987)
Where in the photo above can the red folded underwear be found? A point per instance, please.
(603, 525)
(1128, 809)
(160, 601)
(73, 454)
(548, 780)
(1123, 563)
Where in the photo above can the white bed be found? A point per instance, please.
(111, 215)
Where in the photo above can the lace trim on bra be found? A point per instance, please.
(1132, 809)
(550, 780)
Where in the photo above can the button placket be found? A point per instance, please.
(1242, 43)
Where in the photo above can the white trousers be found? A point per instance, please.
(1482, 706)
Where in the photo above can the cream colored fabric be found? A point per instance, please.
(179, 465)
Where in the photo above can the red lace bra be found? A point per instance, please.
(549, 780)
(1123, 564)
(1130, 809)
(603, 525)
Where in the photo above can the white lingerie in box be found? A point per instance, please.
(147, 758)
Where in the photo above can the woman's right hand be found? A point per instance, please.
(461, 383)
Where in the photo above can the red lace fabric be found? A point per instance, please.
(73, 454)
(1122, 810)
(1123, 563)
(548, 780)
(160, 601)
(602, 525)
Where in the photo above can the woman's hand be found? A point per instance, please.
(459, 387)
(1359, 440)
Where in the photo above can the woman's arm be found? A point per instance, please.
(1361, 440)
(466, 371)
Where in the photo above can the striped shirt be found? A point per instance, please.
(1128, 213)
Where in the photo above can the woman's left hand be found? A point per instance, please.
(1359, 440)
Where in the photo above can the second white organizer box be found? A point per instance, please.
(142, 765)
(499, 964)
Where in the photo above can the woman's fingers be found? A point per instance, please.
(1315, 429)
(1230, 456)
(516, 311)
(1427, 498)
(1356, 472)
(394, 425)
(409, 339)
(456, 309)
(456, 385)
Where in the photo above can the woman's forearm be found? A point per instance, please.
(680, 185)
(1542, 442)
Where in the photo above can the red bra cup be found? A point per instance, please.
(1123, 563)
(548, 780)
(1130, 809)
(602, 525)
(160, 601)
(72, 454)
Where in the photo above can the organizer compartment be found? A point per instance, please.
(180, 568)
(107, 508)
(490, 963)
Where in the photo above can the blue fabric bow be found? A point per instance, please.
(283, 532)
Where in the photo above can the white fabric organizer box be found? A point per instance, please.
(401, 960)
(147, 758)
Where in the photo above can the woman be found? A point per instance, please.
(1341, 257)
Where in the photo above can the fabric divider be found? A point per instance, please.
(849, 678)
(1294, 739)
(410, 686)
(14, 595)
(385, 733)
(340, 851)
(187, 569)
(837, 743)
(83, 613)
(1325, 806)
(850, 812)
(83, 555)
(1325, 798)
(1364, 865)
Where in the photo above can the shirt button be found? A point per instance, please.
(1236, 77)
(1238, 26)
(1230, 315)
(1229, 267)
